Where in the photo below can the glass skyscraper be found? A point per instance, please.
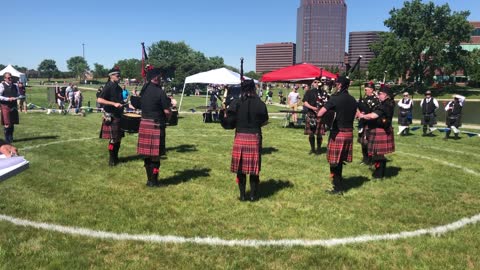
(321, 32)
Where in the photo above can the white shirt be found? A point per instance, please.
(292, 97)
(407, 105)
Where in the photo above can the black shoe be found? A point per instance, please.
(318, 152)
(334, 192)
(153, 184)
(311, 152)
(111, 162)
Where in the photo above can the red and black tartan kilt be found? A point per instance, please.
(319, 129)
(246, 156)
(149, 138)
(380, 142)
(112, 131)
(340, 146)
(9, 115)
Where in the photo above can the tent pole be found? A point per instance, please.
(181, 99)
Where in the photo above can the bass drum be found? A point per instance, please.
(130, 122)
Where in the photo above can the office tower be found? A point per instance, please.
(271, 56)
(359, 44)
(321, 28)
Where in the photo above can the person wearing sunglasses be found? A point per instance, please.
(429, 105)
(8, 105)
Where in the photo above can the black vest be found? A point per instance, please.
(457, 109)
(428, 108)
(9, 91)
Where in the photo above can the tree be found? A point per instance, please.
(473, 66)
(77, 65)
(180, 61)
(48, 68)
(99, 71)
(423, 38)
(130, 68)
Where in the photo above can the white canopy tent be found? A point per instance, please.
(15, 73)
(215, 76)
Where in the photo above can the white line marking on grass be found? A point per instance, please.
(55, 142)
(213, 241)
(444, 149)
(442, 162)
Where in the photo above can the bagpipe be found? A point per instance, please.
(228, 115)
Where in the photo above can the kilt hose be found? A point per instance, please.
(340, 146)
(318, 129)
(9, 115)
(149, 134)
(246, 156)
(112, 131)
(380, 142)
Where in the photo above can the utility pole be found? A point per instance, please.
(83, 50)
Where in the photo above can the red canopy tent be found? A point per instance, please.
(295, 73)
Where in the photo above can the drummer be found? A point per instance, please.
(111, 99)
(155, 113)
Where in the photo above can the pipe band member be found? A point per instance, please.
(155, 114)
(366, 105)
(111, 99)
(429, 105)
(8, 105)
(314, 99)
(381, 140)
(405, 109)
(454, 115)
(251, 114)
(340, 141)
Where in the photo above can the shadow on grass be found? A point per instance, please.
(184, 148)
(269, 150)
(130, 158)
(36, 138)
(392, 171)
(354, 182)
(270, 187)
(185, 176)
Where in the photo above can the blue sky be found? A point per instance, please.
(113, 30)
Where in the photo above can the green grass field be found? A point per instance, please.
(431, 182)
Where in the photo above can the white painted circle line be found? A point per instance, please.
(214, 241)
(246, 243)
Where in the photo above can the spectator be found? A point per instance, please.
(60, 96)
(125, 93)
(22, 97)
(293, 103)
(269, 98)
(8, 104)
(99, 106)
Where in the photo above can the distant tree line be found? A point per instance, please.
(177, 58)
(424, 40)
